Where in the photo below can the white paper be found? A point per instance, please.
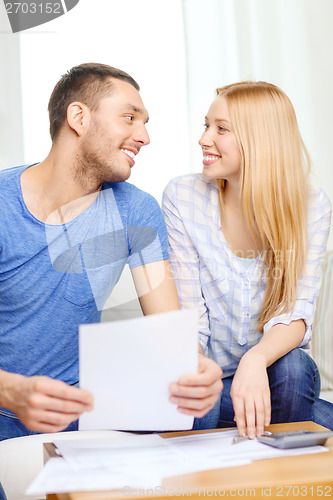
(120, 462)
(109, 453)
(215, 450)
(150, 453)
(57, 476)
(126, 461)
(129, 365)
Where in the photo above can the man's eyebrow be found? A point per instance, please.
(136, 109)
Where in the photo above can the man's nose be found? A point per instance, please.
(142, 136)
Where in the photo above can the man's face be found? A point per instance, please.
(116, 133)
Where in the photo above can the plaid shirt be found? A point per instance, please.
(227, 290)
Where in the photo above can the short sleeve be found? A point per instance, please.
(147, 234)
(184, 261)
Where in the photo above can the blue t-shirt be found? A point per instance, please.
(55, 277)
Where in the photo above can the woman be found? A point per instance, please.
(247, 240)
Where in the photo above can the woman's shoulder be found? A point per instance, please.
(319, 203)
(189, 185)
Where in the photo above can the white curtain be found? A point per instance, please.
(144, 38)
(179, 51)
(288, 43)
(11, 131)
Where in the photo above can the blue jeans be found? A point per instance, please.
(2, 493)
(11, 427)
(294, 383)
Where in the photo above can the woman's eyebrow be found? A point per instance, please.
(218, 120)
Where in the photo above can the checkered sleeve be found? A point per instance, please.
(310, 281)
(184, 261)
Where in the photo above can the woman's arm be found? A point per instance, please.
(184, 262)
(194, 394)
(310, 281)
(250, 389)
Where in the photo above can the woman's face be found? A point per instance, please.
(221, 156)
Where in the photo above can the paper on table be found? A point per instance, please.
(128, 366)
(215, 450)
(57, 476)
(110, 453)
(123, 461)
(153, 454)
(142, 461)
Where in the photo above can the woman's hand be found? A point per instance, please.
(251, 396)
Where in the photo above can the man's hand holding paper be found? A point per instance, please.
(153, 351)
(196, 394)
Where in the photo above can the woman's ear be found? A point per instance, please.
(78, 117)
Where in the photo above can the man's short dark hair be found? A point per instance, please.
(87, 83)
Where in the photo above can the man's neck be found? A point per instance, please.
(52, 193)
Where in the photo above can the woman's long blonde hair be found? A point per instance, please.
(274, 186)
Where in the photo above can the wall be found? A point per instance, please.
(179, 51)
(288, 43)
(11, 127)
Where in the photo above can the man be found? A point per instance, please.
(69, 225)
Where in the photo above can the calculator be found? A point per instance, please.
(294, 439)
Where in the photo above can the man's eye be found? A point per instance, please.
(129, 117)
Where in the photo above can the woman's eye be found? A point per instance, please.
(222, 129)
(205, 126)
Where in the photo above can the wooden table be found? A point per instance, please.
(302, 476)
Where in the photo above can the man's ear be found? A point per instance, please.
(78, 117)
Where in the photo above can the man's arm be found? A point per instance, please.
(194, 394)
(43, 404)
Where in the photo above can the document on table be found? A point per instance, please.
(122, 461)
(128, 461)
(215, 450)
(111, 454)
(129, 365)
